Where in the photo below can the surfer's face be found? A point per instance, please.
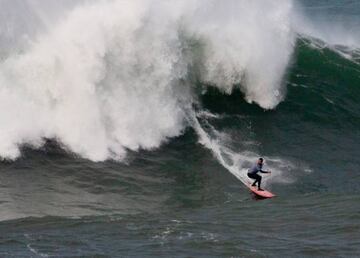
(260, 162)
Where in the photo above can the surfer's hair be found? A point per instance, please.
(261, 159)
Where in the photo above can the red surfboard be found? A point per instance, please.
(263, 194)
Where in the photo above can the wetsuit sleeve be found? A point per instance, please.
(263, 171)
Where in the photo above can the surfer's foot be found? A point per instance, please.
(260, 189)
(253, 184)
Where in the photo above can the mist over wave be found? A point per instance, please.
(104, 77)
(114, 75)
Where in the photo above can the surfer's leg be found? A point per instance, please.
(252, 177)
(256, 177)
(256, 180)
(259, 182)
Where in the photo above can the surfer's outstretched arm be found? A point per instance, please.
(265, 172)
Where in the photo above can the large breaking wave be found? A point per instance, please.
(105, 77)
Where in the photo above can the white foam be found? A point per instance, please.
(237, 162)
(113, 75)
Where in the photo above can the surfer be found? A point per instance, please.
(253, 173)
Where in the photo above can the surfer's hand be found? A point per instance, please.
(269, 172)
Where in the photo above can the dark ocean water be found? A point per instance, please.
(178, 200)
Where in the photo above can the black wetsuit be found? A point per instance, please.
(252, 173)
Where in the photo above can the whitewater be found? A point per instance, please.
(106, 77)
(116, 75)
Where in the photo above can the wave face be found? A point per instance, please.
(104, 77)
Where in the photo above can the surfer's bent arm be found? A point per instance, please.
(265, 172)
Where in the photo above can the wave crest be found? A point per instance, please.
(116, 75)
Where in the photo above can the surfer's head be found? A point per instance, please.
(260, 161)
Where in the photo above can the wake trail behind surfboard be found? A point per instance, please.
(236, 162)
(227, 158)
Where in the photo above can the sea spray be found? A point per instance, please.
(115, 75)
(237, 162)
